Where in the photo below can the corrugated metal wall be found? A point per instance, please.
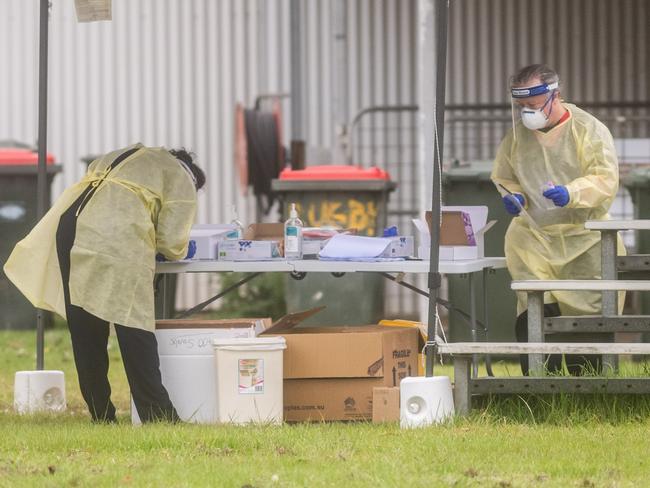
(168, 72)
(599, 48)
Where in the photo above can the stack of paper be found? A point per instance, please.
(344, 247)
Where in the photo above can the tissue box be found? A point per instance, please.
(261, 242)
(207, 237)
(462, 233)
(246, 250)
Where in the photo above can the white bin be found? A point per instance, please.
(39, 391)
(425, 401)
(187, 370)
(249, 379)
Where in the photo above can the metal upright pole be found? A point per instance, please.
(41, 182)
(298, 146)
(442, 13)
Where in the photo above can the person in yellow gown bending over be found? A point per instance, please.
(91, 259)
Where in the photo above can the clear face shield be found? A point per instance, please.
(189, 172)
(532, 118)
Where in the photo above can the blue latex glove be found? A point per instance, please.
(559, 195)
(511, 207)
(191, 249)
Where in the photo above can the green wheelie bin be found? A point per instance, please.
(347, 197)
(471, 185)
(18, 207)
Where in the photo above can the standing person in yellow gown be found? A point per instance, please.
(91, 259)
(560, 165)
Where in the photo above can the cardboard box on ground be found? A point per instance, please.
(330, 372)
(385, 404)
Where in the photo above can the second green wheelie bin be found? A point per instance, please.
(470, 184)
(637, 183)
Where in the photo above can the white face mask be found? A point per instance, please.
(535, 118)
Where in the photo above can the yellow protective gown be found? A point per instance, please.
(579, 154)
(145, 205)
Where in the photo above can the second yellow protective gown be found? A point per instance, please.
(579, 154)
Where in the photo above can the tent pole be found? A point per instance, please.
(41, 182)
(442, 14)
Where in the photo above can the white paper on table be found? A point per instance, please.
(343, 246)
(363, 260)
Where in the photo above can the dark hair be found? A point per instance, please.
(187, 157)
(541, 71)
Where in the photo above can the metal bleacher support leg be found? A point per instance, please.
(535, 319)
(164, 297)
(462, 393)
(609, 298)
(486, 322)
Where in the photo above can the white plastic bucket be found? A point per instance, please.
(249, 379)
(187, 370)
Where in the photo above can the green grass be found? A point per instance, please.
(535, 441)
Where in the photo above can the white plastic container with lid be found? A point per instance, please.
(249, 376)
(187, 368)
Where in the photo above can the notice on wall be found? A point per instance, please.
(93, 10)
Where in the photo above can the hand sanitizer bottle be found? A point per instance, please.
(293, 235)
(238, 232)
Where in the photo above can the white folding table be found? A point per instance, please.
(393, 270)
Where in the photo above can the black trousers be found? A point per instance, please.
(89, 336)
(576, 364)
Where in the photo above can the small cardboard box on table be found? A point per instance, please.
(462, 233)
(330, 372)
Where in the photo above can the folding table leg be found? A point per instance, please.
(164, 297)
(472, 314)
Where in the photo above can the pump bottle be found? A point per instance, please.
(238, 231)
(293, 235)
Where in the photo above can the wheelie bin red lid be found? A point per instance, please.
(11, 156)
(335, 172)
